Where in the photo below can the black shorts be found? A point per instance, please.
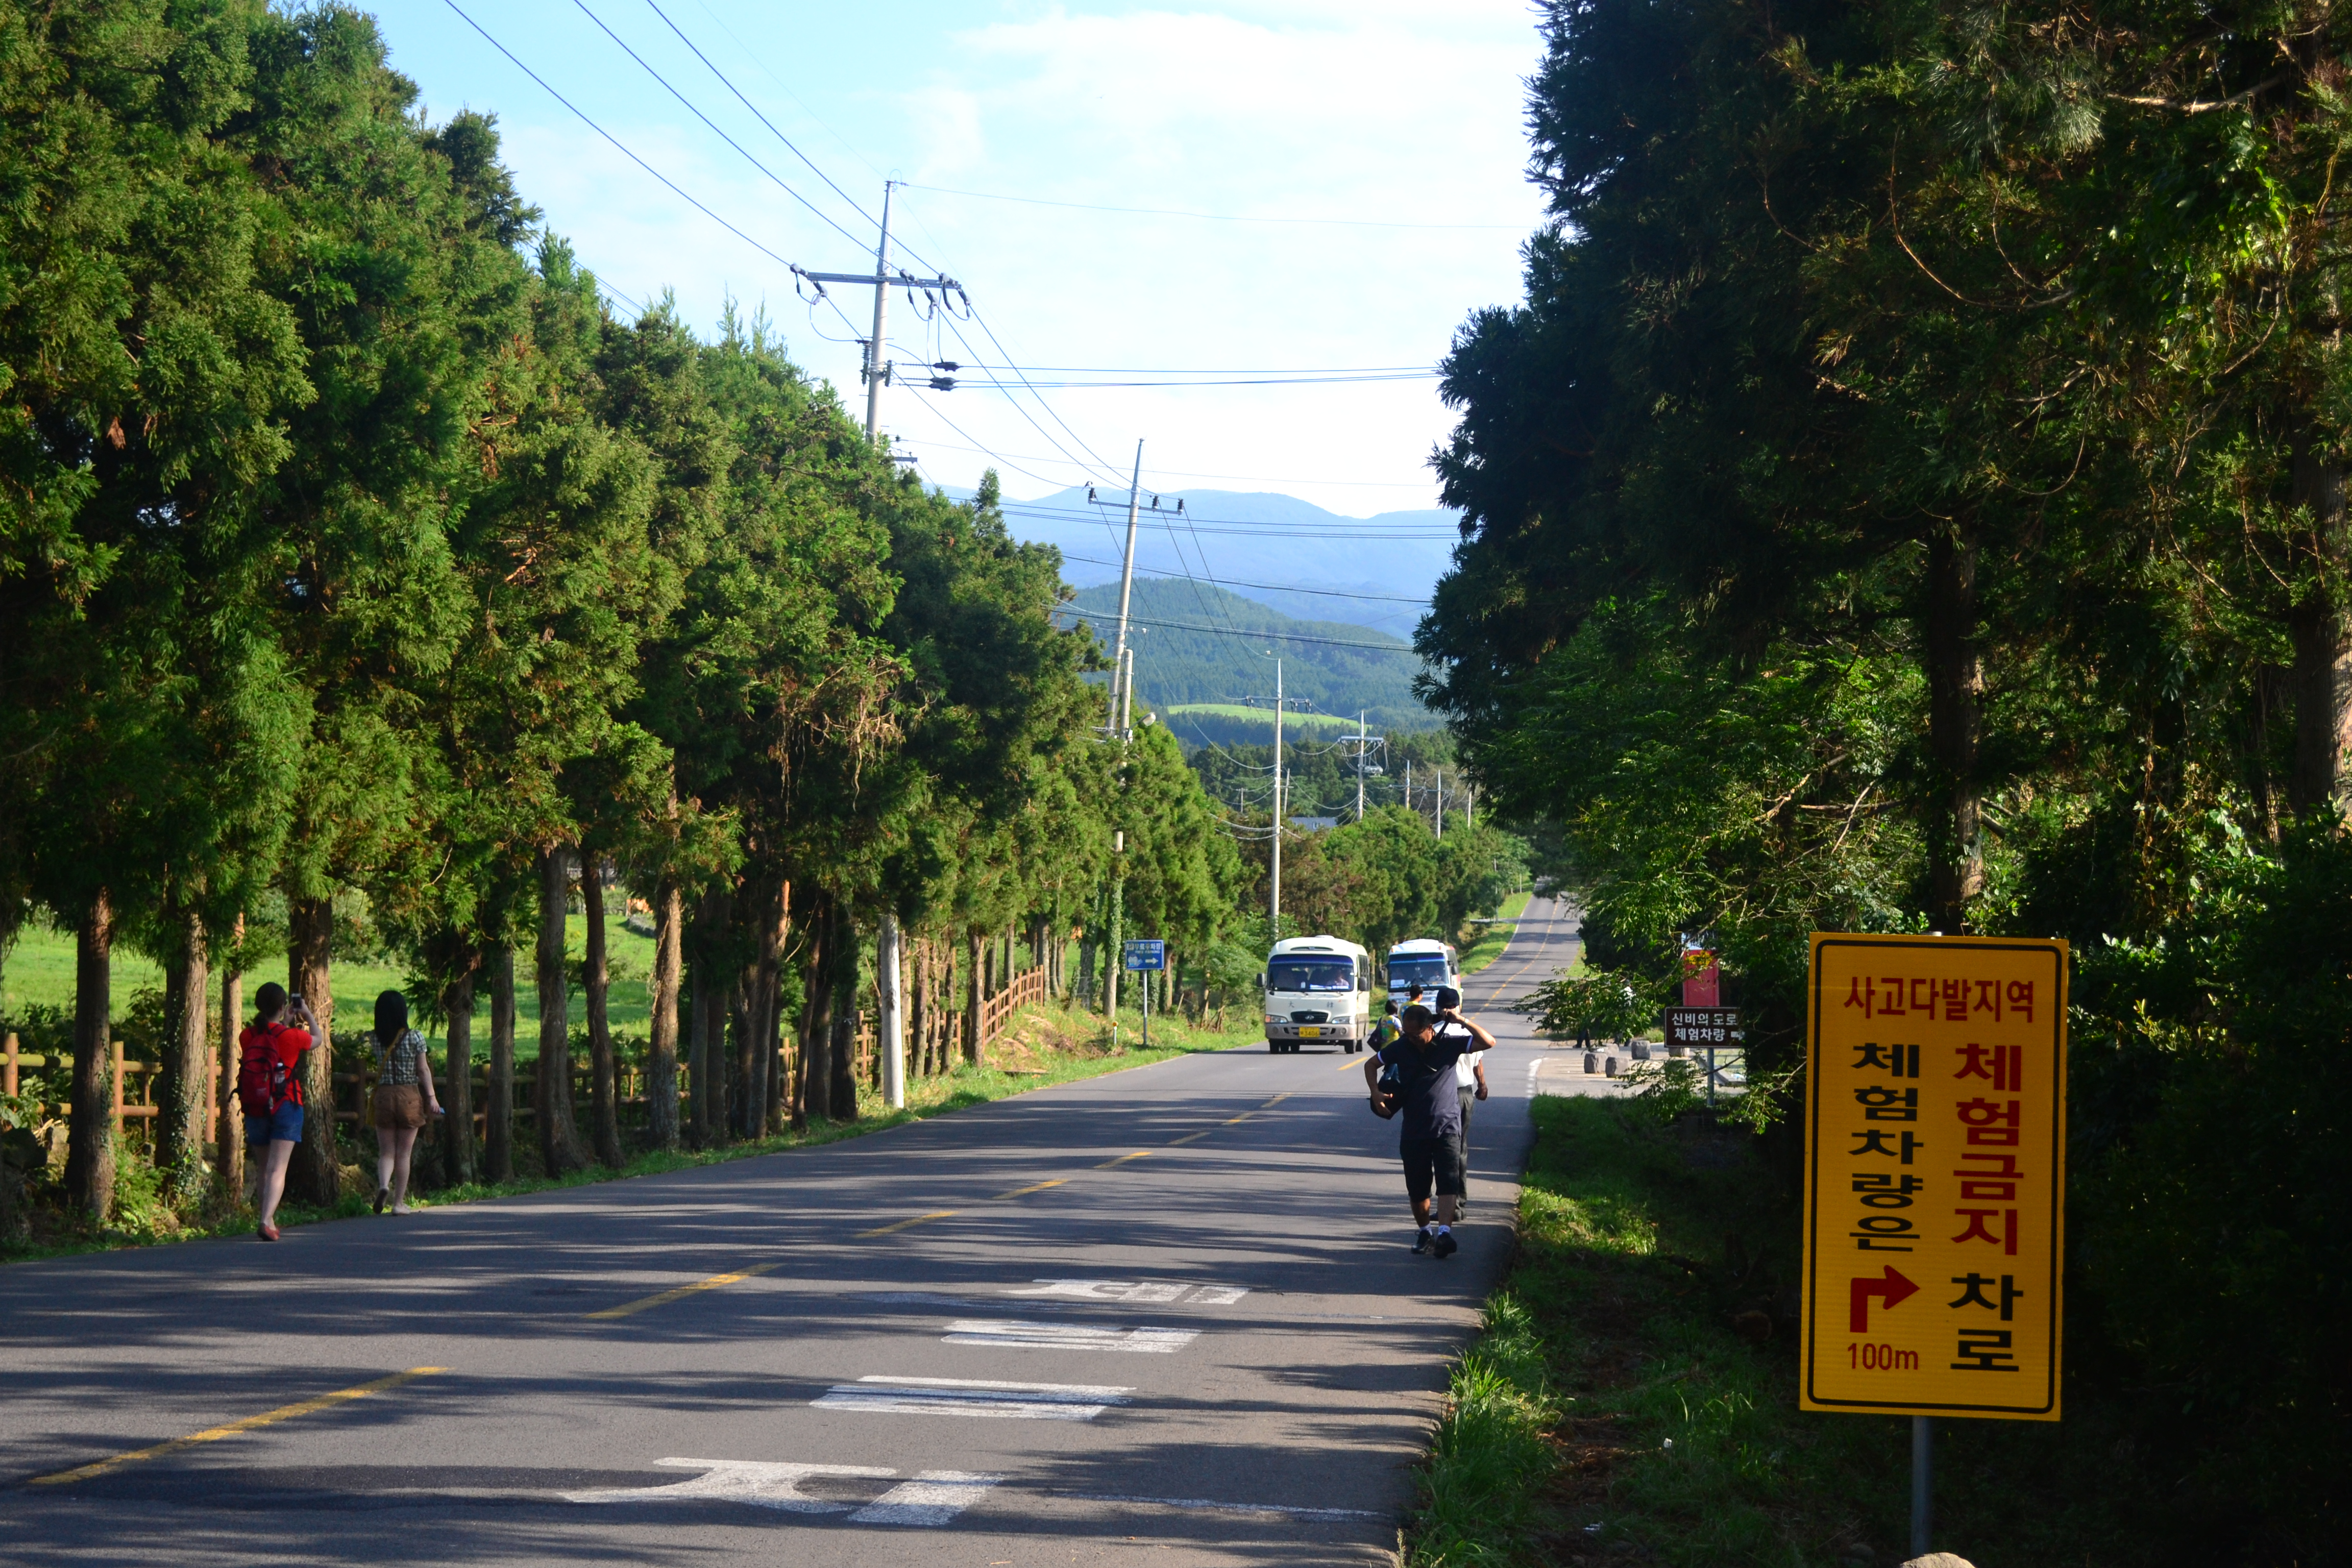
(1432, 1159)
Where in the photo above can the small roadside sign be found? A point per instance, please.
(1146, 952)
(1700, 1029)
(1935, 1175)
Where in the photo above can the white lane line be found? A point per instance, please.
(1065, 1336)
(736, 1481)
(1228, 1506)
(966, 1396)
(933, 1499)
(1136, 1291)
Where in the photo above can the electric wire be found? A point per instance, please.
(671, 185)
(773, 177)
(1259, 478)
(1399, 647)
(1270, 587)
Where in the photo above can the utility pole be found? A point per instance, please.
(1408, 783)
(1441, 805)
(877, 368)
(887, 979)
(1121, 671)
(1274, 907)
(1360, 737)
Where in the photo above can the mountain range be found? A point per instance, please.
(1197, 643)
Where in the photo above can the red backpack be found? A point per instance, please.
(264, 1082)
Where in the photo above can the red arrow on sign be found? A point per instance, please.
(1892, 1289)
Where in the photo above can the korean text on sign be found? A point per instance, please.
(1935, 1176)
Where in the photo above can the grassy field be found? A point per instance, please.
(1300, 722)
(39, 973)
(1044, 1045)
(1633, 1396)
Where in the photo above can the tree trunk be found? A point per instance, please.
(2321, 676)
(559, 1132)
(228, 1164)
(497, 1116)
(774, 928)
(89, 1154)
(661, 1066)
(975, 995)
(1955, 697)
(709, 1020)
(816, 1014)
(845, 1014)
(456, 1088)
(743, 1018)
(187, 986)
(603, 1089)
(314, 1175)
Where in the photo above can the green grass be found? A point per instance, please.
(1633, 1395)
(39, 973)
(1298, 722)
(1043, 1046)
(1494, 939)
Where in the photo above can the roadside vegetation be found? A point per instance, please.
(1633, 1394)
(1909, 498)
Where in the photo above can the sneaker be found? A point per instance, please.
(267, 1231)
(1442, 1244)
(1421, 1240)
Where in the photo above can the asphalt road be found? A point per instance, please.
(1167, 1315)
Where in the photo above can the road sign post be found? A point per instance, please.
(1934, 1182)
(1704, 1029)
(1145, 953)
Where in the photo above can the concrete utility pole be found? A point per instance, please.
(1440, 805)
(1273, 908)
(1360, 737)
(887, 979)
(1121, 672)
(1408, 783)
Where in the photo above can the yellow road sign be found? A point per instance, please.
(1935, 1175)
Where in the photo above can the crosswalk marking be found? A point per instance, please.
(1065, 1336)
(933, 1499)
(1135, 1290)
(970, 1396)
(753, 1481)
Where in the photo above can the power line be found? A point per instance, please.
(672, 185)
(1259, 478)
(1247, 381)
(722, 136)
(1222, 217)
(1274, 587)
(1273, 636)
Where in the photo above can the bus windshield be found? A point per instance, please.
(1310, 974)
(1426, 970)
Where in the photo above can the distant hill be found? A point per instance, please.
(1273, 549)
(1188, 652)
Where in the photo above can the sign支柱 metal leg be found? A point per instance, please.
(1922, 1477)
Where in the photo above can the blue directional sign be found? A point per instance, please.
(1147, 953)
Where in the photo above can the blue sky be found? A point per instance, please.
(1409, 113)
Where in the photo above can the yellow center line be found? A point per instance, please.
(904, 1224)
(1191, 1137)
(1033, 1187)
(1278, 1099)
(629, 1308)
(250, 1424)
(1345, 1066)
(1123, 1159)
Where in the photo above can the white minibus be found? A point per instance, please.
(1424, 961)
(1317, 988)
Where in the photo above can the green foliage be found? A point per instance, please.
(1605, 1004)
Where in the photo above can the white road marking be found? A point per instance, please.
(1534, 1067)
(761, 1484)
(966, 1396)
(933, 1499)
(1065, 1336)
(1229, 1507)
(1155, 1290)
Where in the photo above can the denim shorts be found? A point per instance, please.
(283, 1124)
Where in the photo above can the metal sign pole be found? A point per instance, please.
(1923, 1476)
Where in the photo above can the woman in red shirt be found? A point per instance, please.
(270, 1085)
